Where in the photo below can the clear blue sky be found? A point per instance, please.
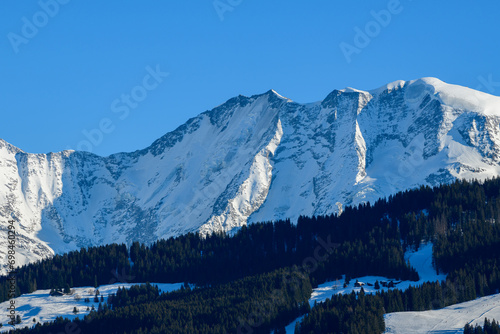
(67, 70)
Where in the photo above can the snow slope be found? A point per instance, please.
(43, 307)
(251, 159)
(421, 260)
(451, 319)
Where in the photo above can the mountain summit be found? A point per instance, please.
(252, 159)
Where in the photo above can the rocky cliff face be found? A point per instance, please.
(251, 159)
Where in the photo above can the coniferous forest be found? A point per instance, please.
(260, 279)
(489, 327)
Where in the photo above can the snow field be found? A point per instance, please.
(43, 307)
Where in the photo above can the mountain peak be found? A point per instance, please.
(273, 94)
(456, 96)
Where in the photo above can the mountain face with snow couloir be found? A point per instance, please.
(251, 159)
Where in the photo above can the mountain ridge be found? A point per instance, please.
(257, 158)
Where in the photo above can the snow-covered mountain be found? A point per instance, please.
(251, 159)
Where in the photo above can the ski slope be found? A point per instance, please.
(451, 319)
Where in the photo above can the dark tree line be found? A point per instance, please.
(88, 266)
(256, 304)
(370, 248)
